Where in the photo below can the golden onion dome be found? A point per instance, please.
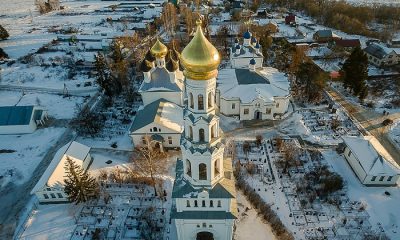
(200, 58)
(159, 50)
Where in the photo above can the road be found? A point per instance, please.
(370, 121)
(14, 198)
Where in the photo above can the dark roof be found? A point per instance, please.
(146, 115)
(324, 33)
(376, 50)
(290, 18)
(245, 76)
(202, 215)
(160, 81)
(15, 115)
(348, 42)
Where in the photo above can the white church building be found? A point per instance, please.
(242, 53)
(160, 117)
(204, 197)
(252, 93)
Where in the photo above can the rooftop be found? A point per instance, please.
(15, 115)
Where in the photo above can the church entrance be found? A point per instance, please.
(257, 115)
(205, 236)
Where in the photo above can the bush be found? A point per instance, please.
(3, 33)
(3, 55)
(387, 122)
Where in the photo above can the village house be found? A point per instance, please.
(323, 36)
(370, 161)
(380, 55)
(290, 19)
(50, 187)
(21, 119)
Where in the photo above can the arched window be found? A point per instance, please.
(203, 203)
(211, 203)
(187, 203)
(190, 132)
(191, 102)
(216, 168)
(210, 100)
(188, 168)
(154, 129)
(213, 131)
(201, 135)
(219, 203)
(202, 171)
(195, 203)
(200, 102)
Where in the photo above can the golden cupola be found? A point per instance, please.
(200, 59)
(159, 50)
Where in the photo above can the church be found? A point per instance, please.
(160, 117)
(204, 196)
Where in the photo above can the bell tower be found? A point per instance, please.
(204, 196)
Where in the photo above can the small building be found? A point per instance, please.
(261, 93)
(380, 55)
(322, 36)
(395, 43)
(50, 187)
(21, 119)
(370, 161)
(347, 44)
(162, 121)
(290, 19)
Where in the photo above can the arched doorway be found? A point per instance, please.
(257, 115)
(204, 236)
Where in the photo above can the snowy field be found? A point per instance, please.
(29, 151)
(394, 133)
(57, 106)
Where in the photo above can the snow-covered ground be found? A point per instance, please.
(29, 151)
(394, 133)
(383, 209)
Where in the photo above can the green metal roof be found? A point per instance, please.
(245, 76)
(15, 115)
(202, 215)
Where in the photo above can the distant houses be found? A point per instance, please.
(290, 19)
(370, 161)
(21, 119)
(323, 36)
(380, 55)
(50, 187)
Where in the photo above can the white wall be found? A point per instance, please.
(175, 97)
(188, 229)
(18, 129)
(53, 195)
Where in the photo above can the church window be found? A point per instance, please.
(170, 140)
(219, 203)
(187, 203)
(389, 178)
(373, 178)
(204, 225)
(268, 111)
(277, 105)
(213, 131)
(46, 196)
(246, 111)
(143, 140)
(200, 102)
(202, 171)
(210, 100)
(216, 168)
(381, 178)
(195, 203)
(188, 168)
(59, 195)
(211, 203)
(191, 102)
(201, 135)
(203, 203)
(190, 132)
(151, 130)
(349, 153)
(154, 129)
(52, 195)
(159, 129)
(233, 105)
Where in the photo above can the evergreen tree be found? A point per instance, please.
(79, 185)
(310, 82)
(103, 77)
(3, 55)
(3, 33)
(355, 71)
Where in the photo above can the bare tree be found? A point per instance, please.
(148, 161)
(169, 18)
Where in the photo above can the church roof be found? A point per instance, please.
(245, 51)
(202, 215)
(159, 81)
(162, 112)
(247, 85)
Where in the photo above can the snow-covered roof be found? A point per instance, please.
(372, 156)
(55, 172)
(265, 83)
(378, 50)
(163, 112)
(160, 81)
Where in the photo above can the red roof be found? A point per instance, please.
(348, 42)
(290, 19)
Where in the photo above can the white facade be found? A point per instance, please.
(260, 94)
(370, 161)
(380, 55)
(50, 187)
